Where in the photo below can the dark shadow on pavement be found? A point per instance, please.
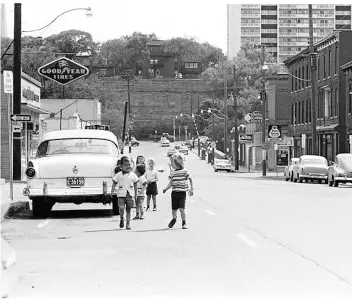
(153, 230)
(67, 214)
(103, 230)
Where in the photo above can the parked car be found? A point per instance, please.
(72, 166)
(311, 167)
(165, 143)
(183, 149)
(222, 164)
(288, 171)
(341, 170)
(171, 151)
(134, 142)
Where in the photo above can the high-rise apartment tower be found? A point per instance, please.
(284, 28)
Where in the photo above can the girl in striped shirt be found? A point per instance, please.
(178, 180)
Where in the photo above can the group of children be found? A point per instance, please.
(133, 184)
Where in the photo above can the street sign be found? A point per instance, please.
(21, 118)
(16, 126)
(8, 82)
(274, 133)
(63, 70)
(246, 138)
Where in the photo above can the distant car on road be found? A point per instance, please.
(222, 165)
(165, 143)
(183, 149)
(311, 167)
(72, 166)
(288, 171)
(341, 170)
(134, 142)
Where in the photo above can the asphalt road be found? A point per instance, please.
(248, 238)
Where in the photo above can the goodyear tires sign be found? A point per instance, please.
(63, 70)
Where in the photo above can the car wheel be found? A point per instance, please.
(115, 206)
(336, 183)
(300, 179)
(319, 181)
(216, 170)
(41, 208)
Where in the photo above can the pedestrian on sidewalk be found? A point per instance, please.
(178, 180)
(141, 188)
(126, 181)
(152, 188)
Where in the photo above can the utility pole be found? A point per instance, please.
(17, 173)
(263, 94)
(225, 119)
(129, 114)
(313, 82)
(60, 118)
(235, 117)
(124, 125)
(213, 147)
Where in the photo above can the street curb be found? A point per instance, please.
(16, 207)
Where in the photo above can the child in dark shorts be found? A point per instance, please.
(152, 177)
(178, 180)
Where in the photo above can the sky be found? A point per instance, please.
(204, 20)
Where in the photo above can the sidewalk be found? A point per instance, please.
(19, 203)
(243, 171)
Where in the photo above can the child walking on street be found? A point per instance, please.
(126, 182)
(152, 178)
(178, 180)
(141, 187)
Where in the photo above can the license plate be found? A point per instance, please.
(75, 181)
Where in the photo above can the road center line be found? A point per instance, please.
(210, 212)
(245, 239)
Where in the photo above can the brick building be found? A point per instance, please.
(332, 51)
(347, 69)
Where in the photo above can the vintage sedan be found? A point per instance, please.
(311, 167)
(72, 166)
(183, 149)
(341, 170)
(222, 165)
(288, 171)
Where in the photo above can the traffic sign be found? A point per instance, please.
(8, 82)
(21, 118)
(16, 126)
(63, 70)
(274, 133)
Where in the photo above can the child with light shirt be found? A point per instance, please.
(152, 178)
(126, 181)
(141, 187)
(178, 180)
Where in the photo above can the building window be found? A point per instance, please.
(331, 107)
(295, 80)
(296, 114)
(307, 111)
(336, 66)
(299, 113)
(350, 99)
(318, 67)
(191, 65)
(292, 114)
(324, 66)
(336, 100)
(155, 49)
(329, 66)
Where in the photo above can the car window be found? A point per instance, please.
(77, 146)
(315, 161)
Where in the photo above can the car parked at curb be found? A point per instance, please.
(288, 171)
(341, 170)
(183, 149)
(222, 165)
(311, 167)
(72, 166)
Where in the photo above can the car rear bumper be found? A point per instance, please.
(314, 176)
(56, 190)
(343, 179)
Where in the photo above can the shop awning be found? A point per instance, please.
(327, 127)
(35, 109)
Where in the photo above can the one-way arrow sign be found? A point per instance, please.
(21, 118)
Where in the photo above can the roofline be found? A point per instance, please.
(335, 33)
(346, 65)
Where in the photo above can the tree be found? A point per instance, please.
(113, 52)
(7, 60)
(180, 48)
(73, 41)
(210, 54)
